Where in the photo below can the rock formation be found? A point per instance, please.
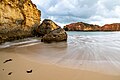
(80, 26)
(51, 32)
(45, 27)
(56, 35)
(18, 18)
(111, 27)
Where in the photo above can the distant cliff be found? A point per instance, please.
(80, 26)
(18, 18)
(111, 27)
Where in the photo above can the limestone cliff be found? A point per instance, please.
(111, 27)
(18, 18)
(80, 26)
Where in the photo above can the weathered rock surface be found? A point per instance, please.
(56, 35)
(80, 26)
(18, 18)
(111, 27)
(46, 27)
(51, 32)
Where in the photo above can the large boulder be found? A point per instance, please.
(45, 27)
(56, 35)
(18, 19)
(51, 32)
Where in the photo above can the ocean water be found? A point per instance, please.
(94, 51)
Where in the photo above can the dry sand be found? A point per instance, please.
(40, 71)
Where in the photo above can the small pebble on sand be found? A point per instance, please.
(7, 60)
(29, 71)
(9, 73)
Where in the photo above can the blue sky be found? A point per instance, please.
(91, 11)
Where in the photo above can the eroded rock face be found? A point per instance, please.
(51, 32)
(18, 18)
(80, 26)
(45, 27)
(111, 27)
(56, 35)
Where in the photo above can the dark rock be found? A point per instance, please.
(56, 35)
(9, 73)
(51, 32)
(7, 60)
(46, 27)
(29, 71)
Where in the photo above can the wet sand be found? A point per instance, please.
(95, 57)
(40, 71)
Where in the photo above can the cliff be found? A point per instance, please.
(18, 18)
(80, 26)
(111, 27)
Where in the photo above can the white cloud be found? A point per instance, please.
(91, 11)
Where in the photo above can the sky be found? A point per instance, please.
(64, 12)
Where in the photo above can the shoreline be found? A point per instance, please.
(91, 31)
(81, 58)
(20, 65)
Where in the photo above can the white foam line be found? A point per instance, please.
(25, 42)
(28, 45)
(6, 45)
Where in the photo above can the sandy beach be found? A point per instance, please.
(40, 71)
(88, 57)
(59, 40)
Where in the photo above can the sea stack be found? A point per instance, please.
(18, 19)
(51, 32)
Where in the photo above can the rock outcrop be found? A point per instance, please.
(18, 18)
(56, 35)
(111, 27)
(80, 26)
(51, 32)
(46, 27)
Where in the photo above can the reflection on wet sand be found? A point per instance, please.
(93, 53)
